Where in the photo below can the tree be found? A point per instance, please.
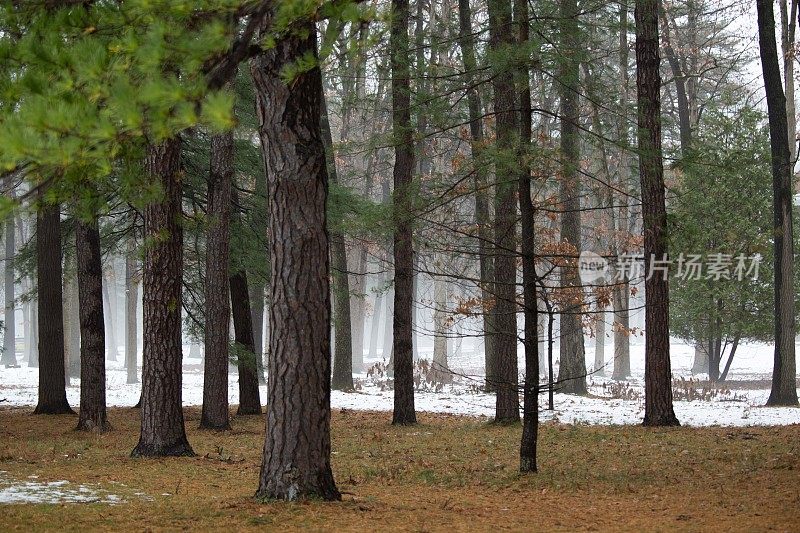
(343, 353)
(92, 414)
(9, 324)
(572, 356)
(296, 462)
(402, 344)
(505, 378)
(658, 376)
(131, 304)
(162, 428)
(217, 305)
(52, 377)
(784, 390)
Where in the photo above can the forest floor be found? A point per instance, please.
(446, 473)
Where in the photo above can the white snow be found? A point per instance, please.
(16, 491)
(18, 387)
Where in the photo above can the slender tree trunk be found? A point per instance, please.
(92, 414)
(600, 343)
(343, 353)
(620, 294)
(788, 25)
(530, 418)
(162, 426)
(505, 378)
(33, 356)
(9, 324)
(296, 462)
(72, 325)
(466, 42)
(111, 348)
(249, 395)
(658, 376)
(441, 370)
(375, 325)
(402, 333)
(572, 370)
(784, 387)
(215, 413)
(52, 375)
(131, 301)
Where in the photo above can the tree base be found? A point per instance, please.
(527, 465)
(661, 421)
(60, 408)
(92, 426)
(327, 491)
(782, 400)
(248, 411)
(180, 449)
(205, 424)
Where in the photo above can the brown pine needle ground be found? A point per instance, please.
(447, 473)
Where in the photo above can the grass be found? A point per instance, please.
(446, 473)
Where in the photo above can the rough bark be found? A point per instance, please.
(784, 388)
(296, 462)
(572, 369)
(658, 375)
(52, 375)
(92, 415)
(402, 335)
(162, 427)
(504, 376)
(215, 413)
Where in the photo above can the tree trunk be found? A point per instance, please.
(466, 42)
(111, 348)
(52, 376)
(402, 330)
(343, 352)
(131, 301)
(572, 369)
(33, 356)
(9, 358)
(215, 413)
(788, 25)
(162, 427)
(296, 462)
(377, 308)
(600, 343)
(530, 411)
(504, 376)
(441, 370)
(72, 326)
(92, 413)
(249, 395)
(620, 294)
(658, 376)
(700, 364)
(784, 387)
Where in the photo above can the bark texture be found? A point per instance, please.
(504, 376)
(92, 414)
(162, 428)
(784, 388)
(402, 330)
(52, 376)
(296, 462)
(658, 375)
(249, 395)
(217, 303)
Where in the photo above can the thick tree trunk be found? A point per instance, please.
(402, 330)
(297, 449)
(92, 414)
(504, 376)
(343, 352)
(52, 376)
(530, 411)
(572, 369)
(784, 388)
(788, 25)
(215, 413)
(131, 311)
(658, 376)
(466, 42)
(162, 427)
(9, 323)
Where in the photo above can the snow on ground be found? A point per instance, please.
(32, 491)
(753, 362)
